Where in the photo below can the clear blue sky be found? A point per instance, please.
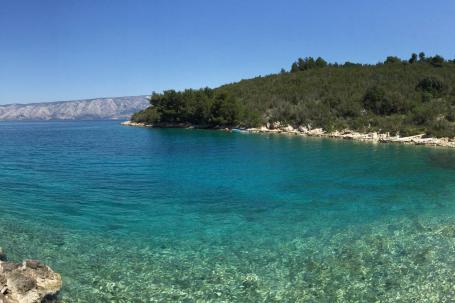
(63, 49)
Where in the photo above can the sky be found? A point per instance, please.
(53, 50)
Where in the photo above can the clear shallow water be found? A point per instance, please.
(134, 215)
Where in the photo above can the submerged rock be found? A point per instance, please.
(2, 255)
(29, 282)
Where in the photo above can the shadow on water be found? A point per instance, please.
(443, 159)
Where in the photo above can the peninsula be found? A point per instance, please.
(405, 101)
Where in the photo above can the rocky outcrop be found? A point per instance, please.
(347, 134)
(29, 282)
(131, 123)
(92, 109)
(279, 128)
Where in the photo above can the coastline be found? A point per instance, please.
(278, 128)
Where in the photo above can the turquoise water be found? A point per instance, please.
(170, 215)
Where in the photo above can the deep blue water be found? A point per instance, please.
(173, 215)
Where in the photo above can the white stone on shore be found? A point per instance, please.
(316, 132)
(289, 128)
(375, 136)
(353, 135)
(277, 127)
(303, 129)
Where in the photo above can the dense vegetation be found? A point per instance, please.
(398, 96)
(203, 107)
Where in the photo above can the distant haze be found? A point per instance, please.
(90, 109)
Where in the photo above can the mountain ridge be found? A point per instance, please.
(109, 108)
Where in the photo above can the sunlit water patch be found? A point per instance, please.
(134, 215)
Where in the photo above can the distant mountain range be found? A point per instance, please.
(90, 109)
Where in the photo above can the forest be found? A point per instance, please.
(405, 97)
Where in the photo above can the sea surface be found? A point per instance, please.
(173, 215)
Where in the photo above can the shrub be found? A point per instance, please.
(392, 60)
(437, 61)
(376, 101)
(432, 85)
(423, 114)
(149, 115)
(441, 128)
(226, 111)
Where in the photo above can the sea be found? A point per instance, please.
(129, 214)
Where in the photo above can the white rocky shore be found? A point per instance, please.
(29, 282)
(279, 128)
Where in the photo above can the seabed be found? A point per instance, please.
(401, 260)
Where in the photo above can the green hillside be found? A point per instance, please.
(410, 97)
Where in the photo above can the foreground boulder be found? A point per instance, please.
(29, 282)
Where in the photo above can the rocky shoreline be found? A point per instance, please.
(29, 282)
(374, 137)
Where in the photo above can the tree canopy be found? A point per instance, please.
(203, 107)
